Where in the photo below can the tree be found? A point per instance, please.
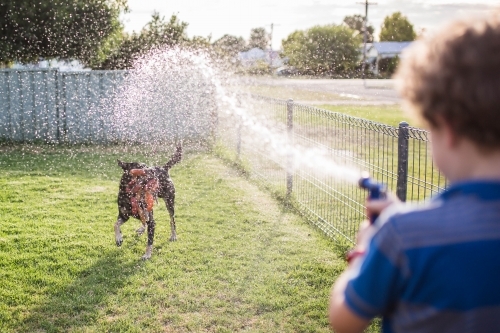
(157, 33)
(329, 49)
(229, 45)
(258, 38)
(65, 29)
(355, 22)
(198, 42)
(387, 66)
(397, 28)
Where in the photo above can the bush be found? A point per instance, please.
(388, 66)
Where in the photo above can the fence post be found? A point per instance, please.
(403, 142)
(289, 162)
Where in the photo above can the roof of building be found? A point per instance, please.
(390, 47)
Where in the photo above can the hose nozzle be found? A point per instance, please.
(375, 190)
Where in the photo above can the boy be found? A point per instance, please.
(436, 267)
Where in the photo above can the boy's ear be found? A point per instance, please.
(450, 137)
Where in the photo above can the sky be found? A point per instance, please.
(237, 17)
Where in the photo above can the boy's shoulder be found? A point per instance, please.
(468, 211)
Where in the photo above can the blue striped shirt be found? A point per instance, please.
(434, 268)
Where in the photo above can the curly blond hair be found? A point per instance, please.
(454, 75)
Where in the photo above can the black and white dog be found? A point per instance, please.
(139, 186)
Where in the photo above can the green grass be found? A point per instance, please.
(241, 263)
(386, 114)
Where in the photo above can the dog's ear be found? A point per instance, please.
(122, 165)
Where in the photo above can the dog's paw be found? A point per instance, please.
(140, 231)
(118, 234)
(118, 239)
(173, 238)
(147, 255)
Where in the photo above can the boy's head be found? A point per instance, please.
(453, 76)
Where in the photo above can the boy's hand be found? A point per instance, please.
(366, 230)
(377, 206)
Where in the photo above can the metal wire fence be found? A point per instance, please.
(279, 141)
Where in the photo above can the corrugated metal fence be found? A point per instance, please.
(54, 106)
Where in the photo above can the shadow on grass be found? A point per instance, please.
(81, 303)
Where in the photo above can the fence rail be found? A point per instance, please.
(396, 156)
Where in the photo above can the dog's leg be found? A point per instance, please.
(140, 230)
(151, 235)
(169, 202)
(143, 215)
(118, 232)
(147, 255)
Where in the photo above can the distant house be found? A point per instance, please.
(383, 50)
(253, 56)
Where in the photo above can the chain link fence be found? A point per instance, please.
(278, 142)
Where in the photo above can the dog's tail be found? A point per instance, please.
(176, 157)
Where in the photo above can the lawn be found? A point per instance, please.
(385, 114)
(241, 262)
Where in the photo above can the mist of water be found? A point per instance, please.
(168, 96)
(181, 95)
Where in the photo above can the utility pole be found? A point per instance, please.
(271, 37)
(365, 37)
(271, 44)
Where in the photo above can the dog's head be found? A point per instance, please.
(127, 166)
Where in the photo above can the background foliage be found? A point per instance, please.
(69, 29)
(228, 46)
(397, 28)
(355, 22)
(157, 33)
(329, 49)
(258, 38)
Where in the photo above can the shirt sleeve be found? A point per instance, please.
(377, 281)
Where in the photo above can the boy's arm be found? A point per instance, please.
(343, 319)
